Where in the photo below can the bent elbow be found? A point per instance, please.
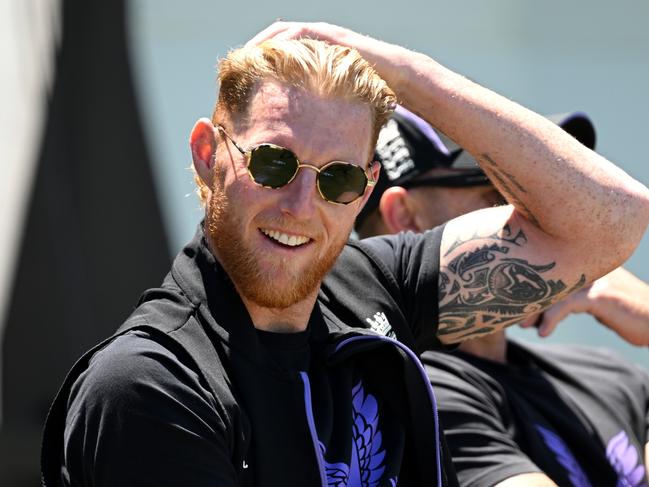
(629, 226)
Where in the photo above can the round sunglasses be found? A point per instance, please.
(273, 166)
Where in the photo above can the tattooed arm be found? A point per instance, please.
(581, 216)
(565, 189)
(492, 280)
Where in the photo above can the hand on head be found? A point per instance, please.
(295, 30)
(385, 58)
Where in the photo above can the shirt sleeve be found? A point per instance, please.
(643, 379)
(642, 375)
(413, 260)
(135, 400)
(476, 423)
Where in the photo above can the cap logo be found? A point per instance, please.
(393, 151)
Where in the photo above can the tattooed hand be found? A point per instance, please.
(483, 288)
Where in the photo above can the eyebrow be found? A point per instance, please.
(280, 140)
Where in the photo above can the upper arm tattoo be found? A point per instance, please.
(482, 289)
(506, 183)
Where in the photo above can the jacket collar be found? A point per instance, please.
(204, 282)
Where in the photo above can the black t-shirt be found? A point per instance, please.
(389, 284)
(378, 435)
(578, 414)
(291, 351)
(140, 414)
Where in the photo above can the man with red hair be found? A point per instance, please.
(249, 366)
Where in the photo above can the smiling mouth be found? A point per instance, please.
(285, 239)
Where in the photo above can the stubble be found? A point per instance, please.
(242, 264)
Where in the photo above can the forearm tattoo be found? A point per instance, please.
(504, 182)
(482, 290)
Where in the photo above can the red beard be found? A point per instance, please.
(278, 285)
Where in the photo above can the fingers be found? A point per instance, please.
(273, 30)
(295, 30)
(552, 317)
(531, 321)
(577, 303)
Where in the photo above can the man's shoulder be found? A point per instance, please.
(387, 257)
(139, 375)
(460, 371)
(545, 356)
(357, 253)
(359, 269)
(130, 362)
(575, 356)
(386, 247)
(136, 398)
(360, 291)
(132, 348)
(389, 284)
(165, 308)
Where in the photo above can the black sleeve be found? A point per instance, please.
(646, 417)
(643, 379)
(640, 394)
(626, 386)
(475, 421)
(139, 417)
(413, 260)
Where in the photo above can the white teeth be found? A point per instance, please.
(290, 240)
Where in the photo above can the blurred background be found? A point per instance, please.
(96, 103)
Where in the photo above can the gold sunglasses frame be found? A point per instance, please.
(248, 155)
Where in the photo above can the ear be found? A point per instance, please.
(397, 210)
(202, 142)
(375, 171)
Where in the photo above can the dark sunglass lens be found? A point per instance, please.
(342, 183)
(272, 166)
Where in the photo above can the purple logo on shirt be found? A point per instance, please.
(624, 459)
(366, 467)
(564, 457)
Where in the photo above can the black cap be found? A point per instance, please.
(409, 147)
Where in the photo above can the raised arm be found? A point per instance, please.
(573, 215)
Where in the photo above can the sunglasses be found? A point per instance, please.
(273, 166)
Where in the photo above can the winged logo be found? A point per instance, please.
(366, 467)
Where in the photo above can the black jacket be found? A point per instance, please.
(271, 425)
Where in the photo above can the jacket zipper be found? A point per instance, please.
(431, 395)
(314, 436)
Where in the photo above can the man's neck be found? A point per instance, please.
(293, 319)
(491, 347)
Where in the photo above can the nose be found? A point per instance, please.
(299, 197)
